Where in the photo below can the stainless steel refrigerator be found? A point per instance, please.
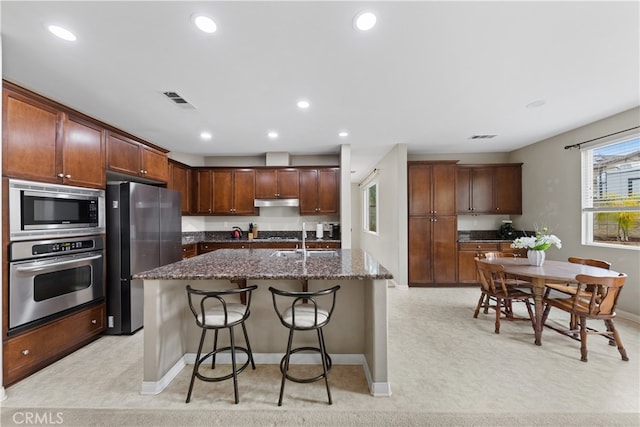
(144, 231)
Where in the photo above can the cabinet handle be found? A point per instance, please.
(68, 176)
(60, 175)
(25, 352)
(94, 321)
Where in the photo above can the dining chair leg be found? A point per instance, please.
(479, 305)
(498, 313)
(583, 339)
(616, 336)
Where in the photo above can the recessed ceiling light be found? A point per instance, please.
(343, 134)
(63, 33)
(303, 104)
(205, 23)
(272, 134)
(206, 135)
(364, 21)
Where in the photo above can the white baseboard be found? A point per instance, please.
(376, 389)
(628, 316)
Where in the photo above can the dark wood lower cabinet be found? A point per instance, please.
(432, 250)
(31, 351)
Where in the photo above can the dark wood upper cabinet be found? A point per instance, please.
(180, 180)
(319, 191)
(489, 189)
(43, 143)
(430, 189)
(277, 183)
(219, 191)
(508, 189)
(130, 157)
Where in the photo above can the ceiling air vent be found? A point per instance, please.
(177, 99)
(482, 136)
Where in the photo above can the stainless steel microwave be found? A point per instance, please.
(40, 210)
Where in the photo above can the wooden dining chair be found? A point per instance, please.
(495, 289)
(512, 281)
(570, 288)
(597, 303)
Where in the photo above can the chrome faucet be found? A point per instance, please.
(304, 237)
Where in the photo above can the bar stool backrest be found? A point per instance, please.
(314, 309)
(204, 302)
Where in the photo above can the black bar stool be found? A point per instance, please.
(304, 314)
(212, 311)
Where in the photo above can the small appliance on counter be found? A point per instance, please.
(334, 232)
(506, 230)
(319, 231)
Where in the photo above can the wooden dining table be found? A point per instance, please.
(550, 272)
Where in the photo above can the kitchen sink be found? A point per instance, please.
(291, 253)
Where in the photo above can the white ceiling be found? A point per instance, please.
(429, 75)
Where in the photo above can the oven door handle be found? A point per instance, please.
(56, 264)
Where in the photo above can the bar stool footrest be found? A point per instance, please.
(225, 377)
(305, 380)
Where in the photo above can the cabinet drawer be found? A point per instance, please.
(189, 250)
(41, 346)
(478, 246)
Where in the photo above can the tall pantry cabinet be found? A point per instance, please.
(433, 224)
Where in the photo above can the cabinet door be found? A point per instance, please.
(123, 155)
(288, 183)
(83, 153)
(180, 180)
(243, 191)
(444, 237)
(203, 191)
(463, 191)
(266, 185)
(482, 190)
(419, 190)
(508, 189)
(444, 189)
(223, 192)
(30, 136)
(328, 191)
(308, 191)
(154, 164)
(420, 267)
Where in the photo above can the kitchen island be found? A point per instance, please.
(357, 333)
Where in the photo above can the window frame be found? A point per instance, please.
(588, 212)
(366, 225)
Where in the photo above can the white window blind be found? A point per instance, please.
(611, 176)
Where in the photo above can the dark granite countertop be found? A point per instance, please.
(485, 236)
(233, 264)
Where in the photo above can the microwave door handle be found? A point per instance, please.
(56, 264)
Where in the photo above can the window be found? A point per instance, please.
(371, 208)
(611, 193)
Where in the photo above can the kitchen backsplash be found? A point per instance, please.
(264, 222)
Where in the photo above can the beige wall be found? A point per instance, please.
(389, 246)
(551, 179)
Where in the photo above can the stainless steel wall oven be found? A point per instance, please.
(51, 277)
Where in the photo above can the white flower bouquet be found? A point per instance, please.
(540, 242)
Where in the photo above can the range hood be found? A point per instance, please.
(268, 203)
